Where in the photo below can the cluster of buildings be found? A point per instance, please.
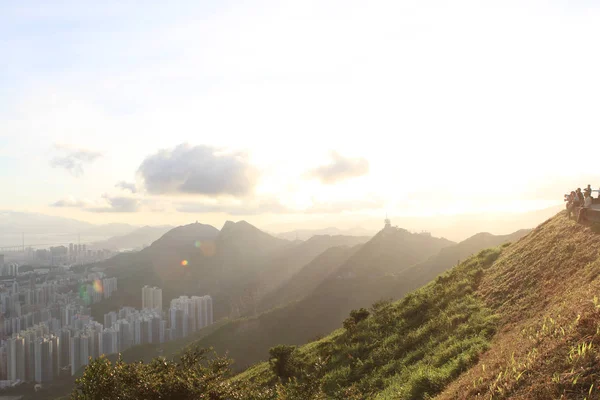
(63, 255)
(46, 328)
(43, 317)
(73, 254)
(47, 331)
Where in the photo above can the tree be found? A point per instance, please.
(281, 360)
(355, 317)
(195, 376)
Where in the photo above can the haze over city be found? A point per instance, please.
(292, 114)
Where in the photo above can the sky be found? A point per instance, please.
(153, 112)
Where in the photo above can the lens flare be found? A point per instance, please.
(98, 286)
(184, 262)
(197, 244)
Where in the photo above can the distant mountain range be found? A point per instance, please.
(305, 234)
(40, 229)
(453, 227)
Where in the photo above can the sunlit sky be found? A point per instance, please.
(167, 112)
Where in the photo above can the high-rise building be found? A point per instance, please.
(75, 353)
(152, 298)
(157, 299)
(109, 286)
(16, 358)
(65, 348)
(110, 341)
(187, 314)
(110, 319)
(44, 359)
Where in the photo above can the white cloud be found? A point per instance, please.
(73, 160)
(340, 168)
(127, 186)
(202, 170)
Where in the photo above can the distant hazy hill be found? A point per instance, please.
(45, 229)
(305, 234)
(281, 268)
(114, 229)
(309, 277)
(195, 259)
(446, 258)
(364, 274)
(133, 240)
(336, 289)
(12, 221)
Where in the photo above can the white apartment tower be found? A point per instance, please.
(152, 298)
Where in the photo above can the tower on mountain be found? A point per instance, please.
(388, 223)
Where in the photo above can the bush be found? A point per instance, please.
(281, 360)
(355, 317)
(195, 376)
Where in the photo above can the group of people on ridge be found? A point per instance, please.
(578, 200)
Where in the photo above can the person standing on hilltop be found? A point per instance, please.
(571, 198)
(587, 203)
(580, 196)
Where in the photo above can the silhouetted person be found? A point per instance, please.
(570, 199)
(587, 203)
(580, 196)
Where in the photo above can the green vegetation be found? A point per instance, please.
(407, 350)
(194, 377)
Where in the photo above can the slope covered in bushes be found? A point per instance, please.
(408, 349)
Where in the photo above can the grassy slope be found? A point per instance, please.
(408, 349)
(544, 289)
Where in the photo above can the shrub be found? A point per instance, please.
(281, 360)
(355, 317)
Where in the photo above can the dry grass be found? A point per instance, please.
(543, 288)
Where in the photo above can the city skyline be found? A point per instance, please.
(45, 329)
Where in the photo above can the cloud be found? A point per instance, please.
(202, 170)
(71, 202)
(127, 186)
(73, 160)
(108, 204)
(118, 204)
(340, 168)
(268, 206)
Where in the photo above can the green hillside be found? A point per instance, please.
(407, 349)
(519, 321)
